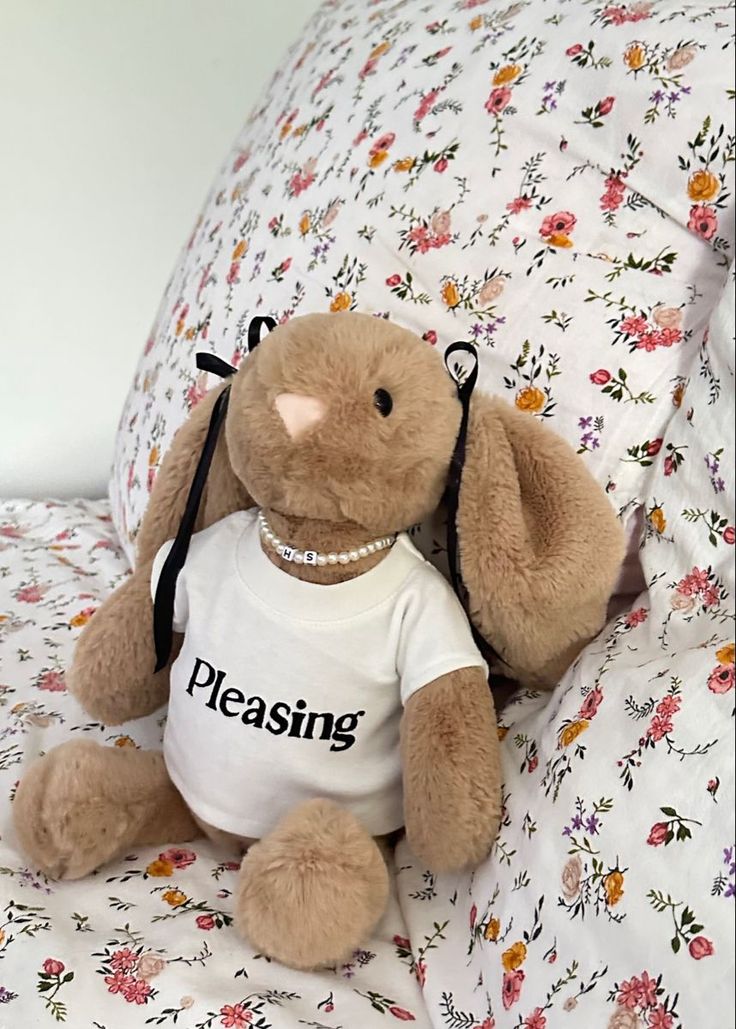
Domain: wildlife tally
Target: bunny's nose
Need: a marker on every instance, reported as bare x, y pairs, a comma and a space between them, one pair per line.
299, 412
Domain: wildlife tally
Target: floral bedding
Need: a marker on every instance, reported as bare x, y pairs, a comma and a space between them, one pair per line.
554, 180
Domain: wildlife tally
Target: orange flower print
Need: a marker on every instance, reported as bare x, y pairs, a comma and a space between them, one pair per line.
175, 898
557, 239
507, 74
513, 958
380, 50
703, 186
530, 399
377, 159
476, 23
239, 250
160, 868
341, 302
304, 224
571, 732
82, 618
125, 741
726, 655
492, 930
613, 884
658, 520
153, 456
635, 56
450, 294
405, 164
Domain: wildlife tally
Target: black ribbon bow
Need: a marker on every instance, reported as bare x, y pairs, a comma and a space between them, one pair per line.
465, 384
163, 605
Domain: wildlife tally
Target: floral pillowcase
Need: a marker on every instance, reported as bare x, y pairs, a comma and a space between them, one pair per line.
551, 181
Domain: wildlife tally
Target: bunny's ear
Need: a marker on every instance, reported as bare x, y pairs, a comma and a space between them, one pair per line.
540, 546
223, 492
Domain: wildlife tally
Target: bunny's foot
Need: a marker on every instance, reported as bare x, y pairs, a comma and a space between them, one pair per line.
313, 890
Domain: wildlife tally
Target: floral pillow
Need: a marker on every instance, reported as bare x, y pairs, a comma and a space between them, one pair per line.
552, 181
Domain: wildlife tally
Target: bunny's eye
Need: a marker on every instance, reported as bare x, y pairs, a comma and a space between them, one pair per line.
383, 402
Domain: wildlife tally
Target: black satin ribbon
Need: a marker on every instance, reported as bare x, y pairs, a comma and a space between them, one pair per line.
163, 604
465, 385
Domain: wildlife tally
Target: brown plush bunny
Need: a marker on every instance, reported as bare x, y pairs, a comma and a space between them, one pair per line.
340, 428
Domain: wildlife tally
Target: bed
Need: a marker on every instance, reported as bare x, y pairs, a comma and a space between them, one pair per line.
449, 168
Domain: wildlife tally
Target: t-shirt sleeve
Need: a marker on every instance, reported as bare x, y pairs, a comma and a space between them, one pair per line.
181, 605
435, 636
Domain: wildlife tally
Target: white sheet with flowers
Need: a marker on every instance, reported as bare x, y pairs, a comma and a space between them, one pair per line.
552, 179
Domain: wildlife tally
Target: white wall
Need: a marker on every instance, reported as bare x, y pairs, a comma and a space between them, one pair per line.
114, 117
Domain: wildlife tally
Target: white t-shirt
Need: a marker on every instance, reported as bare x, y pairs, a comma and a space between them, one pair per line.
286, 690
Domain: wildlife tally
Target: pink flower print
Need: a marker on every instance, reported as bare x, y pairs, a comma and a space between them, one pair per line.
629, 992
419, 238
703, 221
633, 325
614, 15
573, 51
658, 834
519, 204
711, 597
648, 341
648, 988
473, 915
721, 679
592, 702
561, 223
421, 973
179, 857
667, 337
235, 1016
233, 274
659, 727
401, 1013
393, 280
137, 991
119, 982
205, 922
123, 959
303, 179
498, 100
611, 200
195, 393
729, 535
669, 465
511, 989
605, 106
383, 142
239, 161
426, 104
10, 532
694, 582
700, 947
32, 594
51, 681
536, 1020
53, 967
637, 617
668, 706
441, 165
659, 1018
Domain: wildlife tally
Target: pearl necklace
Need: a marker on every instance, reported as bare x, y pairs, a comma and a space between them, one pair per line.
313, 557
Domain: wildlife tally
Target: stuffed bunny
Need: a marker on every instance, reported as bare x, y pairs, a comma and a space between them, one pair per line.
327, 689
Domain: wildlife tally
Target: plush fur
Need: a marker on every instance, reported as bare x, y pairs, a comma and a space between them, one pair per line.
539, 548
